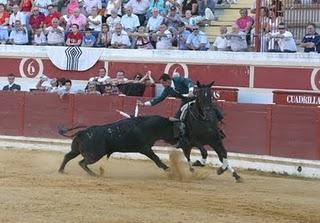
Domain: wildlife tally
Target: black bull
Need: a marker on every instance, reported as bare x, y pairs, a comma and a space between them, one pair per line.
133, 135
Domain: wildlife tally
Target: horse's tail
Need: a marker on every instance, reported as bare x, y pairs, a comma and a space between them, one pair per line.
63, 130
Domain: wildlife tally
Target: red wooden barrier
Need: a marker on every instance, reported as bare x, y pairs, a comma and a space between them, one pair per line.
285, 131
11, 113
295, 132
247, 128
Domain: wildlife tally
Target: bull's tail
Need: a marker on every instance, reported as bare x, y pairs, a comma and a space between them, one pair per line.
63, 130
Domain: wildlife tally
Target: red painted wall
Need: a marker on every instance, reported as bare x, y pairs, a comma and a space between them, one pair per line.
278, 130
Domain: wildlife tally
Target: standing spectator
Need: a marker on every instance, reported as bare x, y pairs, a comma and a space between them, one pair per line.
36, 20
141, 39
102, 77
197, 40
77, 18
11, 86
52, 14
43, 5
272, 28
113, 20
311, 41
120, 38
4, 21
39, 38
74, 38
89, 4
130, 22
94, 21
104, 37
55, 34
221, 42
92, 89
163, 38
66, 89
72, 5
88, 39
182, 36
172, 19
284, 39
245, 23
237, 39
154, 21
19, 34
139, 8
16, 15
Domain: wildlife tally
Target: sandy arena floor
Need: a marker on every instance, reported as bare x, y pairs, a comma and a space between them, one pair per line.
31, 190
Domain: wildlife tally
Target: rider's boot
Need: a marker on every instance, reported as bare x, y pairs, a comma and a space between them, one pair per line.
180, 133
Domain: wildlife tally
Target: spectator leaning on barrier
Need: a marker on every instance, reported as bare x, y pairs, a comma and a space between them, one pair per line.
101, 79
197, 40
311, 41
221, 42
237, 39
39, 38
141, 39
284, 39
11, 86
74, 38
4, 21
120, 38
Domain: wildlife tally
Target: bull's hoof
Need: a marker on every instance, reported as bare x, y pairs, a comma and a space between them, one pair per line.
237, 177
221, 170
198, 163
61, 171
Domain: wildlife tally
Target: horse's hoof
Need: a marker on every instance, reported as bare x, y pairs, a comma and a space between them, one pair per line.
221, 170
191, 169
61, 171
198, 163
237, 177
167, 169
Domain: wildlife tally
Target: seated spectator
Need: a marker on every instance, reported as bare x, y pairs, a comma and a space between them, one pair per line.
19, 34
110, 90
92, 89
163, 38
66, 89
141, 39
130, 22
36, 20
189, 21
154, 21
104, 37
120, 38
16, 15
39, 38
52, 14
221, 42
181, 37
190, 5
77, 18
4, 22
204, 5
197, 40
42, 5
88, 39
94, 21
72, 6
113, 20
284, 39
55, 34
89, 4
173, 19
245, 23
237, 39
74, 38
139, 8
11, 86
26, 6
158, 4
43, 84
311, 41
113, 5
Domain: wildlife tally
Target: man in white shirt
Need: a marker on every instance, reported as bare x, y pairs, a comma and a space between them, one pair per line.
120, 38
139, 8
102, 77
130, 22
16, 15
164, 38
55, 33
154, 21
197, 40
221, 42
19, 35
237, 39
284, 38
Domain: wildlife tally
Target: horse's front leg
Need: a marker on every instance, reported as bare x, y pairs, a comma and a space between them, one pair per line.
187, 152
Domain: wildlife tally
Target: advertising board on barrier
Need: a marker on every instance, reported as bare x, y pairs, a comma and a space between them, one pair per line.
296, 98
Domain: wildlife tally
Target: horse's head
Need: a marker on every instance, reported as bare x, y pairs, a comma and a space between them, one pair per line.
204, 102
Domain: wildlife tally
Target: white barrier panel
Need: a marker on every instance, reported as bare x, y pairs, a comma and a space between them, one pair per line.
292, 167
